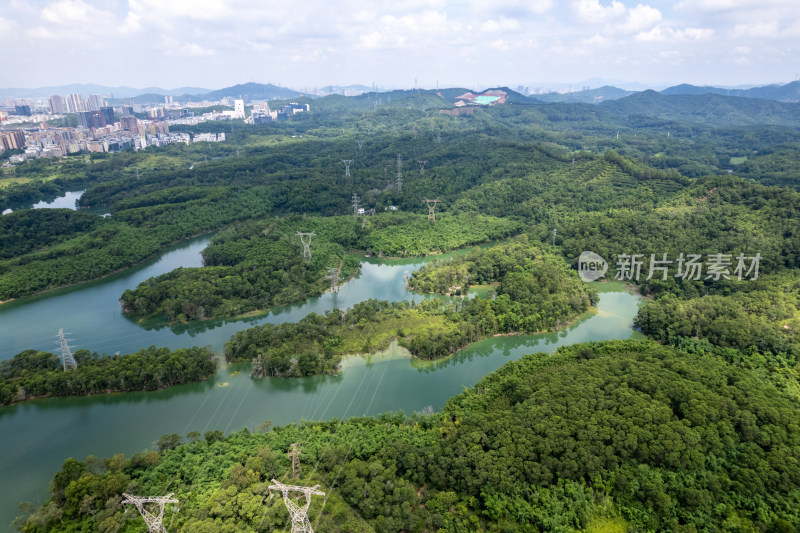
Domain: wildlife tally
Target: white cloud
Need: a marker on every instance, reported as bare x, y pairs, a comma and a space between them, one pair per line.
69, 20
7, 28
659, 34
593, 11
641, 18
514, 7
615, 17
596, 40
70, 12
768, 29
413, 30
131, 24
192, 50
171, 10
499, 44
40, 32
503, 24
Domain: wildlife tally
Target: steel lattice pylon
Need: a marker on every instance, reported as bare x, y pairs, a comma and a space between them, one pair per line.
66, 354
432, 208
299, 515
347, 163
153, 521
305, 238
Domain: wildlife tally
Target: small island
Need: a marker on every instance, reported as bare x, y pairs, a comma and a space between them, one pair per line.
536, 292
257, 265
32, 374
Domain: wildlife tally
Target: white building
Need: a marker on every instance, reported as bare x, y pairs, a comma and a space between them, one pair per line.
238, 109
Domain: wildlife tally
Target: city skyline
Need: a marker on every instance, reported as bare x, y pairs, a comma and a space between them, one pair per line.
426, 43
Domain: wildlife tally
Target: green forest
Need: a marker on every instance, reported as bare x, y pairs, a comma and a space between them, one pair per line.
695, 428
614, 436
31, 374
536, 292
260, 264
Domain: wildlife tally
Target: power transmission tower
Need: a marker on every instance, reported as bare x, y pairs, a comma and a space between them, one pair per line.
305, 238
438, 139
347, 167
422, 166
399, 173
299, 515
294, 455
355, 205
360, 145
334, 274
153, 521
432, 208
554, 236
66, 353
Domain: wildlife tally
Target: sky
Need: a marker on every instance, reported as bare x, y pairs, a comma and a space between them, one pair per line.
307, 44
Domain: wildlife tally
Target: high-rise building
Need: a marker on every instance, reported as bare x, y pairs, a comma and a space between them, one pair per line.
129, 123
91, 119
108, 115
24, 110
76, 103
12, 140
127, 110
238, 109
95, 102
57, 104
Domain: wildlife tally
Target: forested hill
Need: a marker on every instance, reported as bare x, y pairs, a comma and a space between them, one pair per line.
536, 291
706, 109
614, 436
260, 264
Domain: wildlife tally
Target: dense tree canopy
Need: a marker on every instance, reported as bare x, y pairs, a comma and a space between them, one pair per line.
623, 434
32, 374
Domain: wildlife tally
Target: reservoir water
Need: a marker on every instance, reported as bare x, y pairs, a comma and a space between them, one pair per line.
36, 437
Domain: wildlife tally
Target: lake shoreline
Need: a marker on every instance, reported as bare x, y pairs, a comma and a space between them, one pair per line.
155, 254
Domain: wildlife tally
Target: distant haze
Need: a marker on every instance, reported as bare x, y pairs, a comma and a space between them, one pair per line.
540, 44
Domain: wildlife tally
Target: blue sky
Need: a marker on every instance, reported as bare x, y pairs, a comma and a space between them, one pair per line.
312, 43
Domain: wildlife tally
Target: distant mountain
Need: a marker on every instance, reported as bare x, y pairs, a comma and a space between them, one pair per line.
504, 94
590, 96
685, 88
91, 88
783, 93
705, 109
148, 98
353, 90
254, 91
180, 91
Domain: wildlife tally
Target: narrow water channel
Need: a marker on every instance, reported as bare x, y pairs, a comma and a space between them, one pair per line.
36, 437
